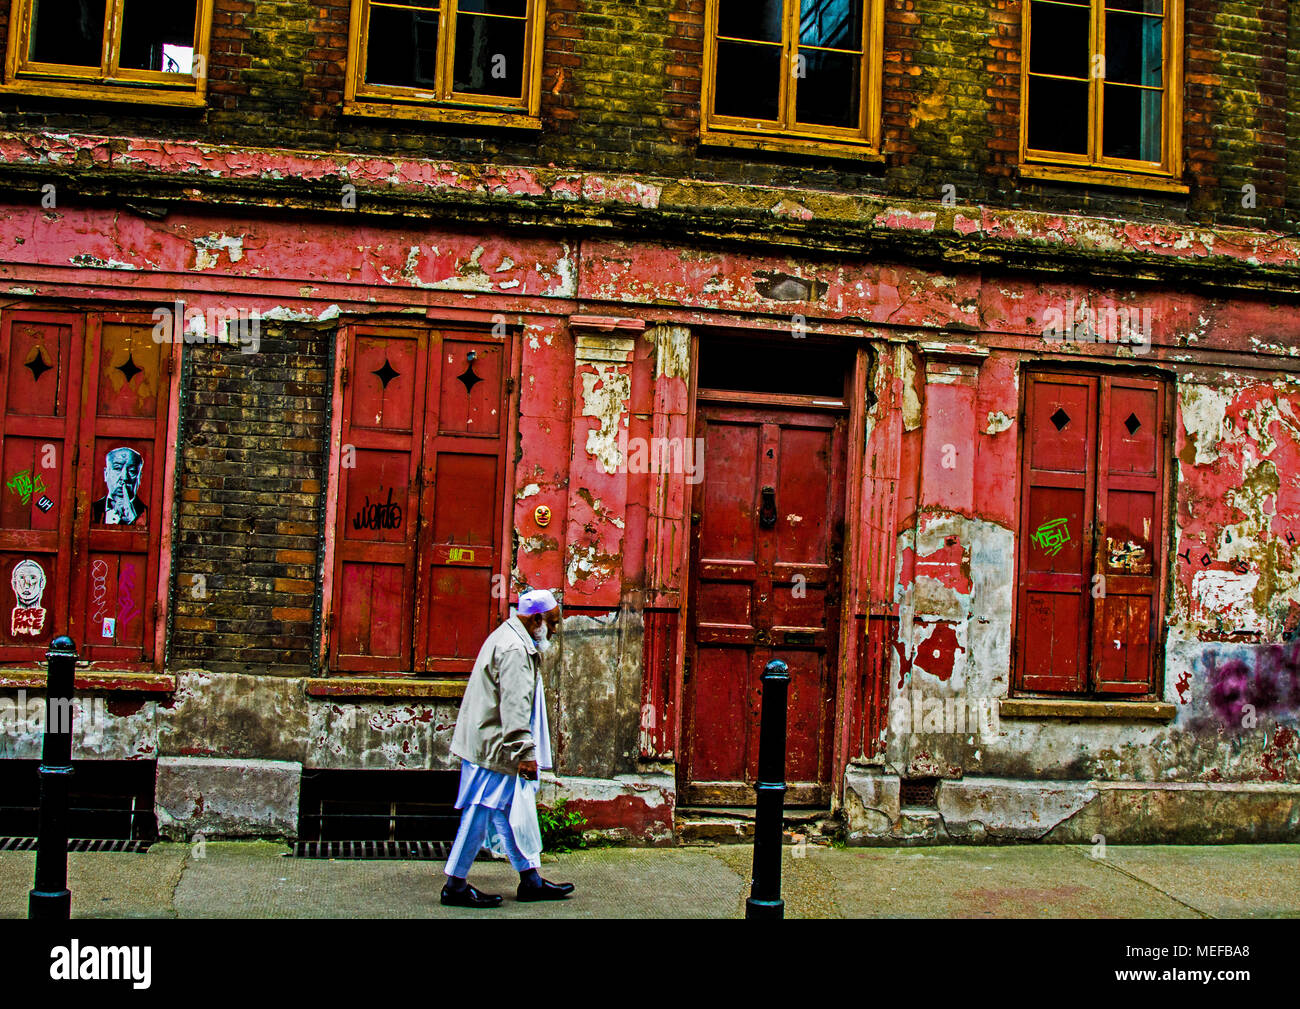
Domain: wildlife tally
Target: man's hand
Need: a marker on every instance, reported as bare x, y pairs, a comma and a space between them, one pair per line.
528, 769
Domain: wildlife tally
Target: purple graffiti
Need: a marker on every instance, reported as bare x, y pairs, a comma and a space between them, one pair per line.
1265, 677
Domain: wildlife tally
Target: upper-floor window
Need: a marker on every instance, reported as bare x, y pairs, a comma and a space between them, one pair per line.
126, 50
457, 60
793, 73
1101, 84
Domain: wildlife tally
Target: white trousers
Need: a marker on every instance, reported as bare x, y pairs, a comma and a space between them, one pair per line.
473, 830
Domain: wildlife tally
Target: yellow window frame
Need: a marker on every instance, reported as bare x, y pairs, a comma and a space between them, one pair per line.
1094, 166
443, 103
109, 80
787, 134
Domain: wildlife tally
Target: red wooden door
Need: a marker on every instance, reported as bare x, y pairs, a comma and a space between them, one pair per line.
1091, 533
766, 567
419, 519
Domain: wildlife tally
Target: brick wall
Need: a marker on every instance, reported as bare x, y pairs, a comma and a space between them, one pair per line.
252, 481
621, 88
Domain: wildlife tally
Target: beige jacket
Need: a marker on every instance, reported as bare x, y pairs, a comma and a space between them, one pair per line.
494, 727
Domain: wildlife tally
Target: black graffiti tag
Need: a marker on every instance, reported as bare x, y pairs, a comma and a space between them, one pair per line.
380, 515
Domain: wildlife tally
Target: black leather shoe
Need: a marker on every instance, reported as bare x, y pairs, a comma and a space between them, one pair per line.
469, 897
545, 891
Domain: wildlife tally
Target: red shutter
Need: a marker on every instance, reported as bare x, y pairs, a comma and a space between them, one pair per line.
1130, 517
38, 429
460, 541
382, 426
1057, 492
120, 489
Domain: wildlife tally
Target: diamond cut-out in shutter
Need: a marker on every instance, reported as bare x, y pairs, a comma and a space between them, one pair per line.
386, 374
129, 368
1060, 419
468, 378
37, 365
1132, 423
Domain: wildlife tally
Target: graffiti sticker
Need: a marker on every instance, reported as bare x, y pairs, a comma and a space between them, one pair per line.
1052, 536
24, 486
28, 616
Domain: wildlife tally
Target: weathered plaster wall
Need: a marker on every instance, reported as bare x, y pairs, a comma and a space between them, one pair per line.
1231, 663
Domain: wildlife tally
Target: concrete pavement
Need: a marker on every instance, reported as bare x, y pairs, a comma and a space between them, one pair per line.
256, 880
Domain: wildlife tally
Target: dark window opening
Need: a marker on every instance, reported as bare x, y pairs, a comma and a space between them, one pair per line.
70, 32
795, 367
378, 806
107, 799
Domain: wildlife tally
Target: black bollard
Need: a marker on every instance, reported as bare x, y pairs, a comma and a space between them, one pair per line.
50, 899
765, 894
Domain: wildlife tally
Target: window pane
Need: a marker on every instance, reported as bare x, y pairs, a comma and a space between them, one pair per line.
830, 92
68, 31
1134, 49
158, 35
489, 54
1141, 6
748, 81
402, 48
831, 24
1131, 123
1058, 115
504, 8
1058, 39
751, 19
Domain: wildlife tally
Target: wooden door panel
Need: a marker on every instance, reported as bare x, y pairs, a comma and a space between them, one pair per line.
1130, 519
730, 492
464, 494
38, 425
1056, 535
721, 715
378, 507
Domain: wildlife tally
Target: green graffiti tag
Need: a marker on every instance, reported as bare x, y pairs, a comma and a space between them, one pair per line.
1051, 536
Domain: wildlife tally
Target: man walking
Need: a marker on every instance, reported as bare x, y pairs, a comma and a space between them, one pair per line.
501, 734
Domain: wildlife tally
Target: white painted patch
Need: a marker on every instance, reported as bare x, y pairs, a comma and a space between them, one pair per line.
208, 248
1230, 596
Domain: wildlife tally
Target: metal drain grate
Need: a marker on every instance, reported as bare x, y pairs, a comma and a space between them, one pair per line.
418, 850
79, 844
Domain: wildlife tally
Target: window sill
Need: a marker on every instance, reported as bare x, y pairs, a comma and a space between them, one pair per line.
1093, 177
788, 144
98, 92
440, 114
357, 687
1052, 707
90, 680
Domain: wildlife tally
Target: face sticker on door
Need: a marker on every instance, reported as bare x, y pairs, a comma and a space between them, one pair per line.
121, 505
28, 582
